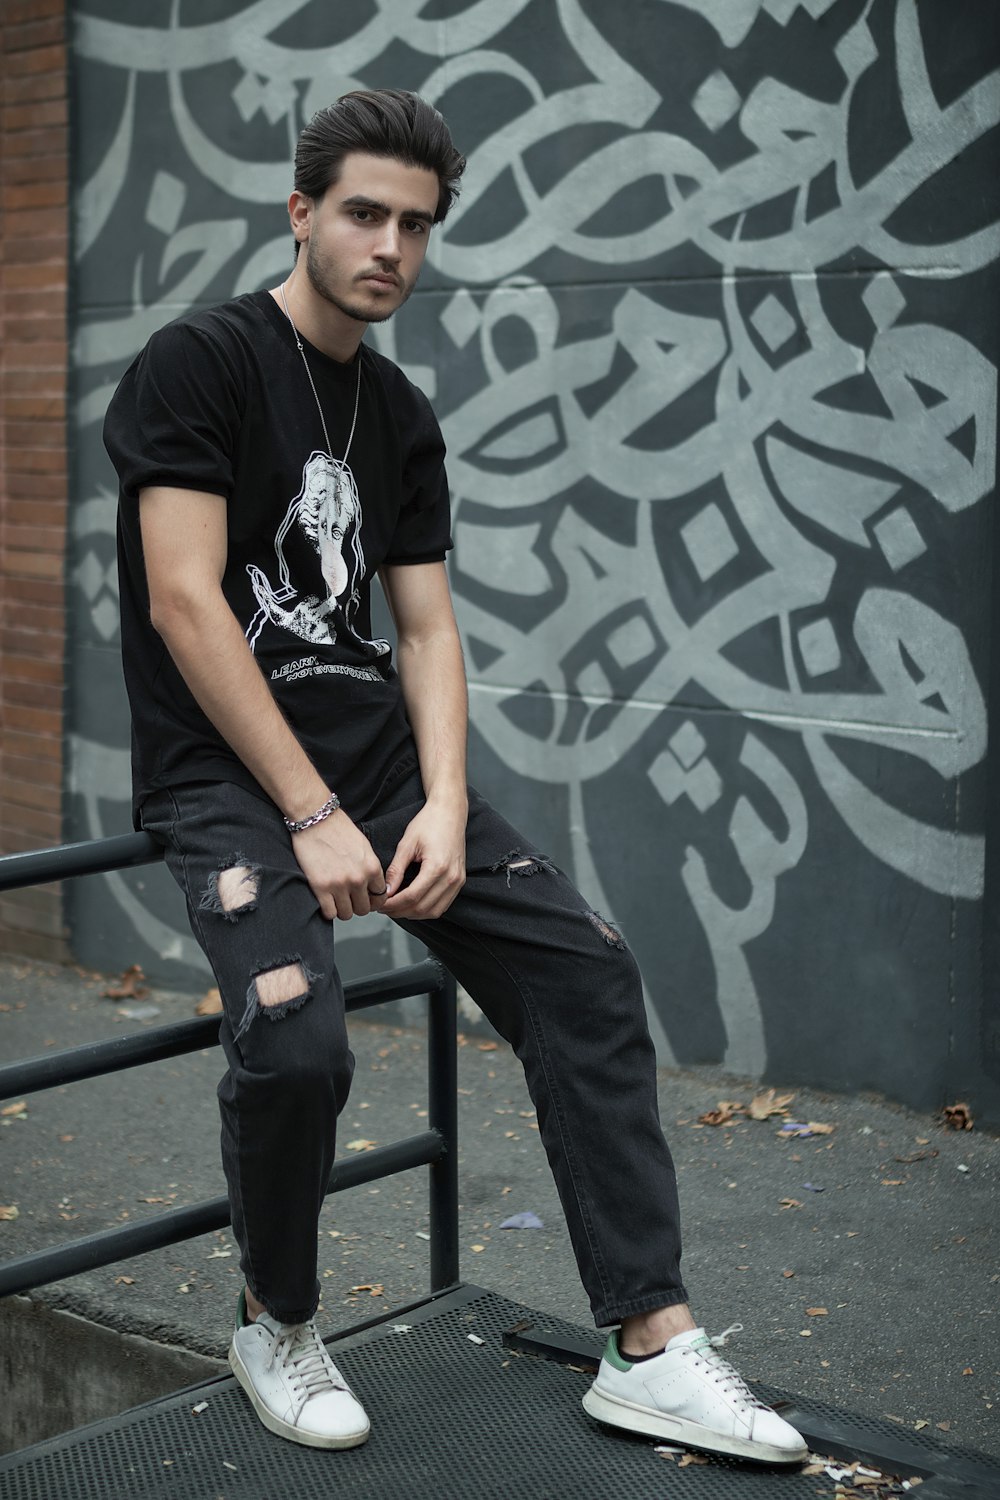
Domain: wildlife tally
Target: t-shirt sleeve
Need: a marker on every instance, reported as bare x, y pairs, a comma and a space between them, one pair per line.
423, 531
175, 416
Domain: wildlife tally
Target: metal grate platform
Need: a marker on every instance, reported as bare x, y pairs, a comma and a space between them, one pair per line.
450, 1417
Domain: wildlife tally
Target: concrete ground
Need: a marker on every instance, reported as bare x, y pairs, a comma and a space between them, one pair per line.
862, 1263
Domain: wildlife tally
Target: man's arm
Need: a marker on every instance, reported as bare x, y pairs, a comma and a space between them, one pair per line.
185, 547
432, 674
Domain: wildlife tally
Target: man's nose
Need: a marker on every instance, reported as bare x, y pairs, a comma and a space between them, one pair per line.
387, 245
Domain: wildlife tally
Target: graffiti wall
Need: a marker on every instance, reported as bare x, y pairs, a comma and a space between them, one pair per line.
712, 336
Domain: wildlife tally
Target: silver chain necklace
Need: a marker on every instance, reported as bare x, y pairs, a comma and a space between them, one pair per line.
312, 383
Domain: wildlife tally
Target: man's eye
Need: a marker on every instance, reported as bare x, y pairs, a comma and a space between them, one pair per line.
416, 226
362, 214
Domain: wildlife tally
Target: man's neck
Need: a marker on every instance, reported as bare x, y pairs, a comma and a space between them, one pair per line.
323, 325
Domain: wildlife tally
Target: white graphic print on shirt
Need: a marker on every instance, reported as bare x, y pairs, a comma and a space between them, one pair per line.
327, 510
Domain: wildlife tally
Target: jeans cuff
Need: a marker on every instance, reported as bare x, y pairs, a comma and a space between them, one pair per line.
612, 1313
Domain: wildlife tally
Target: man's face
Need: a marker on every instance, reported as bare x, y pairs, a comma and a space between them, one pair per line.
366, 238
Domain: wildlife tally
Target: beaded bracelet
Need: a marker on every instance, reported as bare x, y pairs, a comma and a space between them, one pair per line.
319, 816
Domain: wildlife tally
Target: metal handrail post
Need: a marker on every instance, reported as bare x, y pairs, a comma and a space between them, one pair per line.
442, 1103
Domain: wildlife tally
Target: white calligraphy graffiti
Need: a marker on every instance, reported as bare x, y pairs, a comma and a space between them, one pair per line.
695, 408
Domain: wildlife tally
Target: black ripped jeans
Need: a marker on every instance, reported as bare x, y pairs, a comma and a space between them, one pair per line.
553, 978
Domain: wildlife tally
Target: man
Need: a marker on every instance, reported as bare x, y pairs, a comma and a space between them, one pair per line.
270, 464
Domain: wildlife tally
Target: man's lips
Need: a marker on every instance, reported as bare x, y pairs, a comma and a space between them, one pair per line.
379, 278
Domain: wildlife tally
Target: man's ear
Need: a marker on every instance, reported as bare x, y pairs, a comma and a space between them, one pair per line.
300, 210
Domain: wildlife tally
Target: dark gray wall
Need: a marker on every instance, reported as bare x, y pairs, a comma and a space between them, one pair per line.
712, 335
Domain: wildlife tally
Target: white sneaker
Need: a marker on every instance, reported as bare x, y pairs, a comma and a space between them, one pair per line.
296, 1389
690, 1395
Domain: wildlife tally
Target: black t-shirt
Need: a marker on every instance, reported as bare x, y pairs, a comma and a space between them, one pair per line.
219, 401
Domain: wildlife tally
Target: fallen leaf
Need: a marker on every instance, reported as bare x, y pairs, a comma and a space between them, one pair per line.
67, 1138
958, 1116
788, 1274
10, 1110
805, 1333
819, 1129
131, 986
817, 1312
789, 1203
918, 1156
968, 1370
721, 1116
691, 1458
943, 1426
124, 1281
769, 1103
210, 1003
476, 1248
8, 1212
487, 1046
921, 1424
894, 1181
361, 1145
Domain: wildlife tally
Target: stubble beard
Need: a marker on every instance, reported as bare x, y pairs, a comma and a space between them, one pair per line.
319, 281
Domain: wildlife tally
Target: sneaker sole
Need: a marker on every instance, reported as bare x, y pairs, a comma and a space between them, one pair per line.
285, 1429
618, 1413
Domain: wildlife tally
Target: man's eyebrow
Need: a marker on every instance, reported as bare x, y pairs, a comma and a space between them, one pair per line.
358, 200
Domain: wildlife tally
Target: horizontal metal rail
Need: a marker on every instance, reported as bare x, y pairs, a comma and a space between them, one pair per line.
436, 1148
95, 1059
124, 851
89, 1252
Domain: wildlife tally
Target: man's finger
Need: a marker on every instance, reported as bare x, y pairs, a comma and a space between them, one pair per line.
402, 859
345, 908
423, 900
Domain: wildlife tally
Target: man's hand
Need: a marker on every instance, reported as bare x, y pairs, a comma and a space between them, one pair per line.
434, 840
341, 867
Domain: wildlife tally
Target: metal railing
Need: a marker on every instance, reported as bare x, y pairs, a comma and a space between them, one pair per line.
435, 1148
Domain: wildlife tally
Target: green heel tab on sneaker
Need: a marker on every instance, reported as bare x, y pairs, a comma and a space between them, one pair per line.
613, 1356
241, 1310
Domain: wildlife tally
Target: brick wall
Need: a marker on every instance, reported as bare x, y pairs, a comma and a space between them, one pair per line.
34, 257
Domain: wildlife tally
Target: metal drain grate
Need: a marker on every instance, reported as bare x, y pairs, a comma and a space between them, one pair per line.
450, 1417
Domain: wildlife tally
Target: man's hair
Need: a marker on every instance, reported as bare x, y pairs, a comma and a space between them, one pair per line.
380, 122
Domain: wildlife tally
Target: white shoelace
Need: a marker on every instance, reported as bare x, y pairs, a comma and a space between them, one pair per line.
725, 1375
300, 1350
